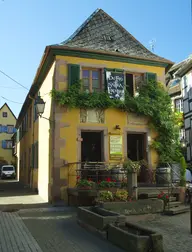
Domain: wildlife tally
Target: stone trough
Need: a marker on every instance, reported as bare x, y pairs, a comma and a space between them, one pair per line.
98, 218
134, 238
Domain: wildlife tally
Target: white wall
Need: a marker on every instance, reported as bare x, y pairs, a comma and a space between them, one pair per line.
44, 127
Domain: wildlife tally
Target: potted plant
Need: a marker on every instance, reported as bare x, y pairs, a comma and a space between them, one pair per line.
165, 197
84, 184
132, 169
121, 195
107, 184
105, 196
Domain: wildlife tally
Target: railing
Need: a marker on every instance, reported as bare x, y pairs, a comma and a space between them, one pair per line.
113, 171
95, 171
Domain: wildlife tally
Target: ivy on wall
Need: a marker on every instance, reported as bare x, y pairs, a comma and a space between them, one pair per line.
153, 101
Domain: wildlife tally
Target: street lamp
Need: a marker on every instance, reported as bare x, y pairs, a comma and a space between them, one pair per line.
40, 106
183, 142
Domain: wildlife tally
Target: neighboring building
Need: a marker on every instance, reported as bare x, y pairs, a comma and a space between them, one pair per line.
48, 150
7, 128
175, 90
179, 79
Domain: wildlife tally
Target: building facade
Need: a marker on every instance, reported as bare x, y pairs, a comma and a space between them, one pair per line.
7, 129
103, 57
180, 88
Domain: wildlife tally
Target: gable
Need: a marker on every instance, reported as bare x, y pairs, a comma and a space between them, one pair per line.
10, 116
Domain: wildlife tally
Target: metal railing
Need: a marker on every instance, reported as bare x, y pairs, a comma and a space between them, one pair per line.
114, 171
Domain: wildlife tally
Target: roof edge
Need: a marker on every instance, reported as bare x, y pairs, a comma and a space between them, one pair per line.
64, 47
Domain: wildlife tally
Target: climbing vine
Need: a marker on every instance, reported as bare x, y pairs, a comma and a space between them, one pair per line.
153, 101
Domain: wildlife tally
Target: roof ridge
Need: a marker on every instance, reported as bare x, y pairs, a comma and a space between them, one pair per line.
121, 27
80, 28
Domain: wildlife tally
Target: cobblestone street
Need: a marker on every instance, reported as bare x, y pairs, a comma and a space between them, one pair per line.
58, 231
175, 230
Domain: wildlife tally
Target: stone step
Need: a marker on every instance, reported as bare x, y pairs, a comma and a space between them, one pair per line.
172, 198
177, 210
173, 204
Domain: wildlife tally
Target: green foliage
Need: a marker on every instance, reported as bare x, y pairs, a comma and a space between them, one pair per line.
108, 183
179, 119
105, 196
183, 171
153, 101
121, 195
84, 183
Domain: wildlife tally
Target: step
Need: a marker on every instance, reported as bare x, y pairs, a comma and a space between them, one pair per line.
172, 198
177, 210
174, 204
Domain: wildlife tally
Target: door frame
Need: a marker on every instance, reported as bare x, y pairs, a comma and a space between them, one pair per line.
93, 129
145, 131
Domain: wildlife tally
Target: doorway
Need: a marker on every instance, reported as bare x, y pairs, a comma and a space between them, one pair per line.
136, 150
92, 146
136, 146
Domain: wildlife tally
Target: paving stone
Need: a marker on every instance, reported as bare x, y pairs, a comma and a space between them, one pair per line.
59, 231
14, 235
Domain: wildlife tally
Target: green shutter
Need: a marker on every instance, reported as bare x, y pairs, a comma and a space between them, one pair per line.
73, 74
150, 77
32, 156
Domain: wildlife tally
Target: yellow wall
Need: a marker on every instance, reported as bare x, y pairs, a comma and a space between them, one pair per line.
69, 151
28, 176
44, 137
6, 154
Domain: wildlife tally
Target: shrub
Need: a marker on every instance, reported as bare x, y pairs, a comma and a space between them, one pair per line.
105, 196
121, 195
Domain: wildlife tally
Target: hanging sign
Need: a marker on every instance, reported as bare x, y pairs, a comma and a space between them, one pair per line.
115, 85
116, 144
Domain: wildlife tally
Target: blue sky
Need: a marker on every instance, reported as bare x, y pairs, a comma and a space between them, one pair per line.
27, 26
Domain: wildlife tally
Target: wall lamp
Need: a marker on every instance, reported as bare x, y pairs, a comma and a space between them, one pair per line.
117, 127
40, 107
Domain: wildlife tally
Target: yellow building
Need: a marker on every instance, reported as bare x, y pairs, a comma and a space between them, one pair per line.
105, 57
7, 128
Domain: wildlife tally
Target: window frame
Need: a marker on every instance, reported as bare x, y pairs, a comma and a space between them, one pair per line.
134, 85
180, 105
10, 125
90, 69
5, 114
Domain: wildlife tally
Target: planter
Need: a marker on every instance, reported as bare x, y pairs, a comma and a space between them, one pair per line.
135, 238
110, 189
81, 197
98, 218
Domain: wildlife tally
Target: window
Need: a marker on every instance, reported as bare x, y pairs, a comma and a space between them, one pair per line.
10, 129
91, 80
7, 144
185, 85
4, 114
179, 105
133, 83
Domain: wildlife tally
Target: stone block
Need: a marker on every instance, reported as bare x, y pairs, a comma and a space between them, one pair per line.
135, 238
98, 218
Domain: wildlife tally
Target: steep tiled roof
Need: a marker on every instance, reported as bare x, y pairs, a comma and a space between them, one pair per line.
102, 32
